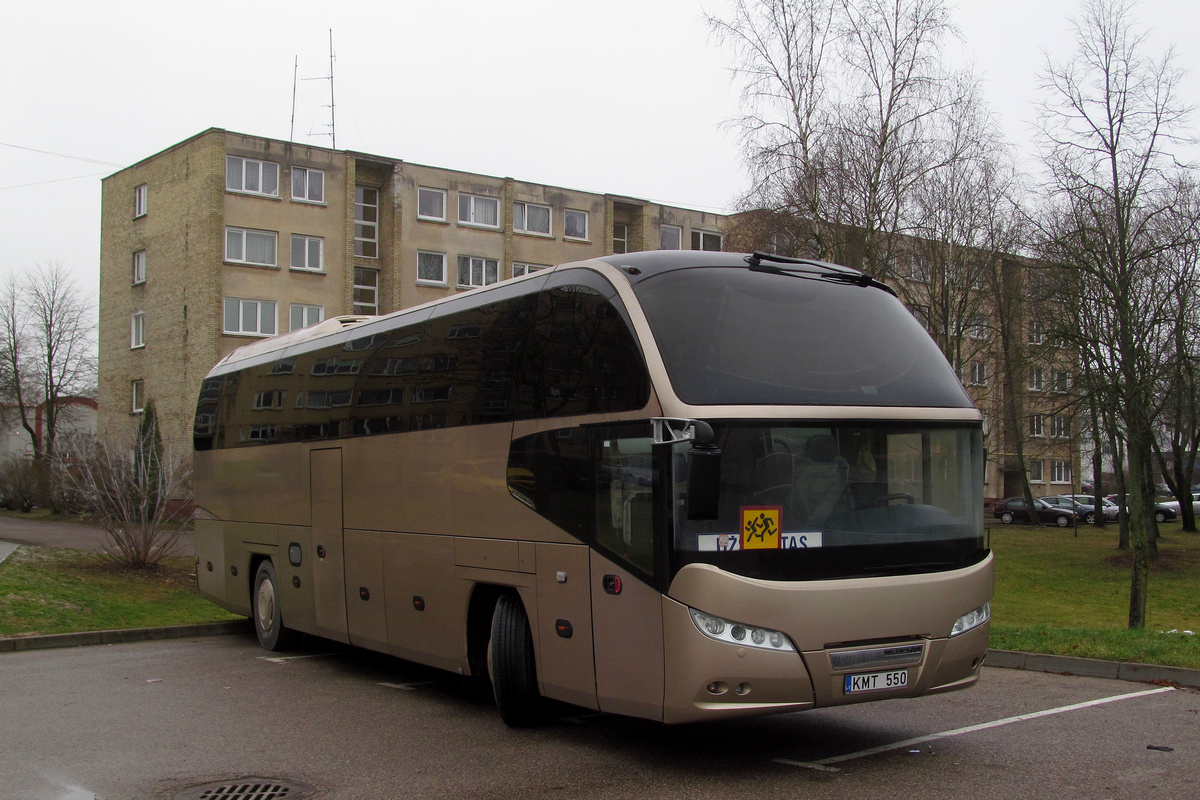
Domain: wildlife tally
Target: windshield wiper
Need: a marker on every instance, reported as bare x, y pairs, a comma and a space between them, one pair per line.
812, 270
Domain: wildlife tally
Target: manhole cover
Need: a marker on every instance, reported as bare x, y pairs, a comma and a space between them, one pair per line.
248, 789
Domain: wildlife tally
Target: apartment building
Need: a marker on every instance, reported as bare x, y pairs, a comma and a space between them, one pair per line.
225, 238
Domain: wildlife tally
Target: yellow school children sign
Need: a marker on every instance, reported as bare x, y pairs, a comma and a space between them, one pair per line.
760, 527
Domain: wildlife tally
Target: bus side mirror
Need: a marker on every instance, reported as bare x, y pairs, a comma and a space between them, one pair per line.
704, 474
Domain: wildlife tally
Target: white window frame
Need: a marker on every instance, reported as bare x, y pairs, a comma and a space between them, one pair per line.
484, 265
519, 268
361, 307
1037, 426
137, 330
1060, 471
586, 237
470, 210
979, 373
1037, 334
237, 170
429, 190
676, 230
309, 193
306, 311
263, 310
141, 200
1037, 471
698, 236
622, 240
363, 226
137, 396
1060, 380
240, 236
302, 245
1060, 426
427, 255
521, 219
1037, 379
139, 267
978, 328
919, 269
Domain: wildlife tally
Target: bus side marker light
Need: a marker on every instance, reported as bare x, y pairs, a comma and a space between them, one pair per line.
612, 584
296, 581
364, 593
564, 629
418, 602
233, 570
210, 566
295, 555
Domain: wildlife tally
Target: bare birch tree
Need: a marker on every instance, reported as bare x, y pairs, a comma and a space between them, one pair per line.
1110, 120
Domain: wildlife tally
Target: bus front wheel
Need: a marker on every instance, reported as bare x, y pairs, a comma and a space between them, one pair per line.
268, 618
511, 663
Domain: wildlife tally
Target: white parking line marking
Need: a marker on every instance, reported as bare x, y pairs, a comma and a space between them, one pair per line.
408, 687
824, 763
285, 659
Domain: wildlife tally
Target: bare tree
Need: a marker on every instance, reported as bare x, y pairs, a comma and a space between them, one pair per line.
47, 348
1110, 118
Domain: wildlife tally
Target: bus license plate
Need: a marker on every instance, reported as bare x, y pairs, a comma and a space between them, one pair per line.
876, 681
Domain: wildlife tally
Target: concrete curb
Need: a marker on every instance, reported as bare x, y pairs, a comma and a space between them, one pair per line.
1094, 668
17, 643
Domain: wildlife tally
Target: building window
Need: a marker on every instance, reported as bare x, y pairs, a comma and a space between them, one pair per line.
705, 240
366, 290
475, 271
366, 222
670, 237
137, 329
431, 204
524, 269
531, 218
921, 312
249, 317
308, 252
1062, 380
308, 185
979, 373
301, 316
575, 224
620, 243
1037, 379
431, 268
1037, 334
138, 393
139, 267
1037, 425
1037, 472
269, 400
1060, 472
141, 199
919, 269
243, 246
477, 210
251, 176
978, 327
1060, 427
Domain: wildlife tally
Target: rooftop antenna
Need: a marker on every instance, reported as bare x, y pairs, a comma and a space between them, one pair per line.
295, 72
332, 115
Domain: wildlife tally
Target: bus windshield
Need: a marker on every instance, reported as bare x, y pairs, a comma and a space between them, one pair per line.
803, 501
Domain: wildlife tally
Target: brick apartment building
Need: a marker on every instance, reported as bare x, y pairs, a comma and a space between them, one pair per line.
225, 238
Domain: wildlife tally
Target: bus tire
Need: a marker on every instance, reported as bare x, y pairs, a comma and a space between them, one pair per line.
268, 617
511, 663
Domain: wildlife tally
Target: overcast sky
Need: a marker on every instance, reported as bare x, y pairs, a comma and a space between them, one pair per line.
620, 96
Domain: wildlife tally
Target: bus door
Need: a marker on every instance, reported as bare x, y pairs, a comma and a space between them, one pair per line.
626, 608
329, 579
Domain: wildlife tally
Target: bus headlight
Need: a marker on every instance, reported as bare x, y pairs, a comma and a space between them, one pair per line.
740, 634
972, 619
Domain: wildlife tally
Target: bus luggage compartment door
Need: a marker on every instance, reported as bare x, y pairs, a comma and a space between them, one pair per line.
628, 641
328, 575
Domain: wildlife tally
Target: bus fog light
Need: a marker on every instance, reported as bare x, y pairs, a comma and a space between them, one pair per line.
738, 633
971, 620
717, 687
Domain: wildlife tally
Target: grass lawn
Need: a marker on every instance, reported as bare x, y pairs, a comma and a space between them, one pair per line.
1067, 593
49, 590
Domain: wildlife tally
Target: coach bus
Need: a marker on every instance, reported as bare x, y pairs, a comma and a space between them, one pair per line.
673, 485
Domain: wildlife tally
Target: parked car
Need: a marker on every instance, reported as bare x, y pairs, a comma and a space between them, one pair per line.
1163, 512
1013, 509
1110, 509
1084, 510
1174, 504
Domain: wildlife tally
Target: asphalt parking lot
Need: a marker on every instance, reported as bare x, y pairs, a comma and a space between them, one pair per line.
157, 719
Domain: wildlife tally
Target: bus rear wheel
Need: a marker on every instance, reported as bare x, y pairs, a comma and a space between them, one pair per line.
268, 617
511, 663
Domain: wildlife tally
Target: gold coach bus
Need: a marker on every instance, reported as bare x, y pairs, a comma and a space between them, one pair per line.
672, 485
